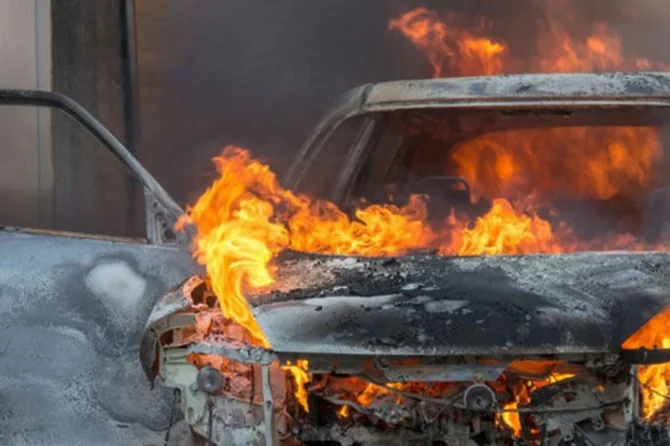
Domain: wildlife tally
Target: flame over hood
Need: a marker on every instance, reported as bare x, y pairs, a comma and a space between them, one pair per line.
245, 218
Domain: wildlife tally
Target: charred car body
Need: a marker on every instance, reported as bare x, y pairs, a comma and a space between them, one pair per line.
419, 348
74, 307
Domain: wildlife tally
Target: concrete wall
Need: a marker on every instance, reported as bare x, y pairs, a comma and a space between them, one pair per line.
26, 175
92, 192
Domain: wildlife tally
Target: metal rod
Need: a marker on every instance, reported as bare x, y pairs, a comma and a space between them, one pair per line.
116, 148
268, 407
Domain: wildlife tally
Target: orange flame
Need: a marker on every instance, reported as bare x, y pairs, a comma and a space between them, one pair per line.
581, 162
653, 378
521, 393
377, 230
448, 48
245, 219
344, 411
589, 162
592, 162
510, 417
236, 238
301, 378
503, 230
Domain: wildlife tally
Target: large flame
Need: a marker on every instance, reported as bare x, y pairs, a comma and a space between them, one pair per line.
245, 219
236, 237
653, 378
451, 50
579, 162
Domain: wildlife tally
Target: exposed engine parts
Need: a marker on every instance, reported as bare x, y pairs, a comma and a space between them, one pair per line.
440, 286
235, 393
209, 380
479, 397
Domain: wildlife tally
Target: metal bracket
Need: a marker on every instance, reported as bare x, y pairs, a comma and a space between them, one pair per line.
631, 408
268, 407
161, 224
645, 356
181, 374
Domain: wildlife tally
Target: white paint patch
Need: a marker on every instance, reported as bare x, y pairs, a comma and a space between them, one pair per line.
468, 264
344, 263
344, 301
444, 306
119, 288
421, 299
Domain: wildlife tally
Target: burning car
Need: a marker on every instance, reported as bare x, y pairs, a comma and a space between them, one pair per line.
376, 314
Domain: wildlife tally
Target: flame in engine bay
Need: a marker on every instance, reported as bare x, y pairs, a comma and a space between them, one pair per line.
598, 163
301, 378
509, 416
653, 378
580, 162
246, 218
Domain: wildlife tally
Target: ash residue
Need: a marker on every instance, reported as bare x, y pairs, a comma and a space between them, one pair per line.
452, 304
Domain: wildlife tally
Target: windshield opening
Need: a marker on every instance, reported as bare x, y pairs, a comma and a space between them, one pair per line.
589, 179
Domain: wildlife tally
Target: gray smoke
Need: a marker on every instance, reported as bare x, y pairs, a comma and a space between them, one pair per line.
261, 74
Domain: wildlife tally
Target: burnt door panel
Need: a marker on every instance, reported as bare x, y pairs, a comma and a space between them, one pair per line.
73, 312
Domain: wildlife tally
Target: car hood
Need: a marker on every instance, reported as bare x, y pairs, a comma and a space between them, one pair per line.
427, 305
424, 305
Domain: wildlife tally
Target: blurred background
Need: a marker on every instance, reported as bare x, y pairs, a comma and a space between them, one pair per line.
178, 80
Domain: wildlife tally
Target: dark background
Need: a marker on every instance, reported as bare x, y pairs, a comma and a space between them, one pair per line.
258, 74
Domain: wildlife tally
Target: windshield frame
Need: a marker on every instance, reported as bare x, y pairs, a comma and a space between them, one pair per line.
356, 155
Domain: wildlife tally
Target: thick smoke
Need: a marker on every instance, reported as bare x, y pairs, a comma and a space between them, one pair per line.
228, 72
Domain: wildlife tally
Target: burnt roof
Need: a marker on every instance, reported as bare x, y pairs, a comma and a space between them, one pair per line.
492, 92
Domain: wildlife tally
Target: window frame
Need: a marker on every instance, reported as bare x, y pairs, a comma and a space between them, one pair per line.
162, 211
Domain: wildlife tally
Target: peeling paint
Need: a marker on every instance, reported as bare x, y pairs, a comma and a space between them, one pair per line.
73, 310
119, 288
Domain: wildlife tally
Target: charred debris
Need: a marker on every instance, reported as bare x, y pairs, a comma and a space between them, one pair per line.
420, 349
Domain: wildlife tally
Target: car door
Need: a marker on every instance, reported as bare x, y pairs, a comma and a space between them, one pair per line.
73, 310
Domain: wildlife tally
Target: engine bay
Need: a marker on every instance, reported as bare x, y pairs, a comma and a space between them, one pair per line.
233, 392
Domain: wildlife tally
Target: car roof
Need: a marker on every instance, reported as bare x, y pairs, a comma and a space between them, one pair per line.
518, 90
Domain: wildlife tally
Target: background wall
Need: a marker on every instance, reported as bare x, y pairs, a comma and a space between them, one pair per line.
25, 161
214, 72
92, 192
258, 74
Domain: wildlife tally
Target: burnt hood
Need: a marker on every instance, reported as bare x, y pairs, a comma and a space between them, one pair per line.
577, 303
